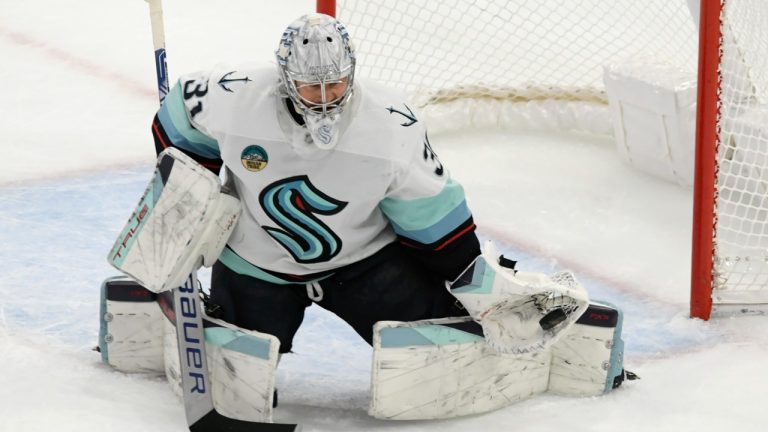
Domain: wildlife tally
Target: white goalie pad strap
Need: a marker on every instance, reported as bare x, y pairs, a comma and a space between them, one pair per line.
444, 368
183, 219
242, 367
588, 359
519, 312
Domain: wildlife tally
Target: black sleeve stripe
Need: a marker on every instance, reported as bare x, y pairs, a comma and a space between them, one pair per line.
466, 228
162, 142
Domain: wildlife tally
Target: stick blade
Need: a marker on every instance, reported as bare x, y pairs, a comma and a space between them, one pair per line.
215, 422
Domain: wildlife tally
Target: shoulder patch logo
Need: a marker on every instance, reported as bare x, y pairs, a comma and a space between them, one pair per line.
254, 158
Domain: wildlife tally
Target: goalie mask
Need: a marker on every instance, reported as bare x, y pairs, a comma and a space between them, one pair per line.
317, 67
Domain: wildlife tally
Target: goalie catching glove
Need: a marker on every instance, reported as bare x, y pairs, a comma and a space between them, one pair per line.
182, 221
519, 312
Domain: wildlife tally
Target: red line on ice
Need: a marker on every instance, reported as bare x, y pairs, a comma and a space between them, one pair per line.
75, 62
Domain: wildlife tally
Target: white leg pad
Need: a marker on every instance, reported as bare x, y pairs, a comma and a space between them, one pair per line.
138, 335
241, 364
444, 368
131, 330
588, 360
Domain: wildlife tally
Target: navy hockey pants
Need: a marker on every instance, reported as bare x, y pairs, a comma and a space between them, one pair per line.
388, 286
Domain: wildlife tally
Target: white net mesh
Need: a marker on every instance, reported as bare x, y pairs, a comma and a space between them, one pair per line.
520, 50
741, 229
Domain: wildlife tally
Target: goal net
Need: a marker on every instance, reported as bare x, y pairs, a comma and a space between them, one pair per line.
529, 53
730, 261
542, 64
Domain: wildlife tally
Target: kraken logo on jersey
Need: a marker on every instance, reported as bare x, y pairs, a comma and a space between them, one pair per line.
254, 158
292, 204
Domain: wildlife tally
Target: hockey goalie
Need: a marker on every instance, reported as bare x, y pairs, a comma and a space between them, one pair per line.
336, 197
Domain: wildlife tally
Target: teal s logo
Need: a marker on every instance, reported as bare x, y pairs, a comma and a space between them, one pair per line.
293, 204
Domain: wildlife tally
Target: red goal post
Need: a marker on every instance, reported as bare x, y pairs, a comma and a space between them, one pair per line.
729, 268
572, 43
703, 251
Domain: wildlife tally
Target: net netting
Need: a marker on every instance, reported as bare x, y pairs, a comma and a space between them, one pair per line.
741, 228
520, 52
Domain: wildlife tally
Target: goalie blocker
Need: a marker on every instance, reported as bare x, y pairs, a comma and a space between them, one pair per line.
183, 216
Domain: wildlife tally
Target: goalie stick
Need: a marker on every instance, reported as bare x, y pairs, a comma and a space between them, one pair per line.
158, 40
195, 379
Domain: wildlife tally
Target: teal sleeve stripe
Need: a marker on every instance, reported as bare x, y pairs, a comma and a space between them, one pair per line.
173, 117
238, 265
422, 213
439, 229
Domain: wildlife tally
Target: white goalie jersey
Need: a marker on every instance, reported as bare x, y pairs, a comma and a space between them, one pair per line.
307, 211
